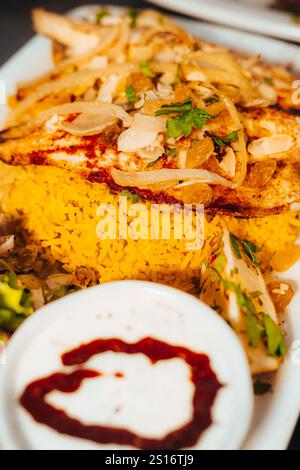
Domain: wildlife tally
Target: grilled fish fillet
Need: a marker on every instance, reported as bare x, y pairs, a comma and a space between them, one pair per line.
92, 157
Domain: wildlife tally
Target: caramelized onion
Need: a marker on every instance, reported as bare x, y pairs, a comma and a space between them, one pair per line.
93, 117
145, 178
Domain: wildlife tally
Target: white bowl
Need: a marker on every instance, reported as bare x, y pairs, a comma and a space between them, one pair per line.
129, 310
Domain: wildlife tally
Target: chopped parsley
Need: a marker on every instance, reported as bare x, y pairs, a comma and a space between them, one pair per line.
145, 68
171, 152
269, 80
101, 14
261, 388
175, 108
188, 118
223, 141
212, 100
132, 13
153, 162
134, 198
130, 94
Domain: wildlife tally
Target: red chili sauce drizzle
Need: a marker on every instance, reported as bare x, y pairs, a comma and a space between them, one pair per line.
204, 379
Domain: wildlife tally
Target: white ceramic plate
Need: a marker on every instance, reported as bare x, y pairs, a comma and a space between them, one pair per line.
251, 15
275, 414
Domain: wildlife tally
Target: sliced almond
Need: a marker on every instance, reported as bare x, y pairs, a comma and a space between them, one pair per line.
270, 145
228, 164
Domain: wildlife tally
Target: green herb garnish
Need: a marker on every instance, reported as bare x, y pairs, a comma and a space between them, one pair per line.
184, 124
255, 294
235, 245
174, 108
250, 250
188, 118
132, 13
247, 247
171, 152
130, 94
101, 14
261, 388
220, 263
274, 337
211, 100
134, 198
223, 141
60, 292
269, 80
146, 69
153, 162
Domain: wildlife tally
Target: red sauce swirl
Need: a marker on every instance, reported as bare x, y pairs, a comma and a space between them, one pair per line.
205, 383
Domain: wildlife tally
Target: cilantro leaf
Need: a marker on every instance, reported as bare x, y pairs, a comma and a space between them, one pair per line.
188, 117
222, 141
274, 338
101, 14
134, 198
235, 245
132, 13
174, 108
184, 124
130, 94
145, 68
250, 250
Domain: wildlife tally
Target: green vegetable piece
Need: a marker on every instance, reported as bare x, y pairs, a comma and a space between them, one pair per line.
274, 338
174, 108
146, 69
153, 162
11, 298
235, 245
130, 94
134, 198
132, 13
250, 250
101, 14
223, 141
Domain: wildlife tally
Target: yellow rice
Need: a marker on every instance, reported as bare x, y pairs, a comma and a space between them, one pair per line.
58, 209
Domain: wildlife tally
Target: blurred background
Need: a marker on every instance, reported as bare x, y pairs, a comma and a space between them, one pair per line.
15, 30
15, 22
